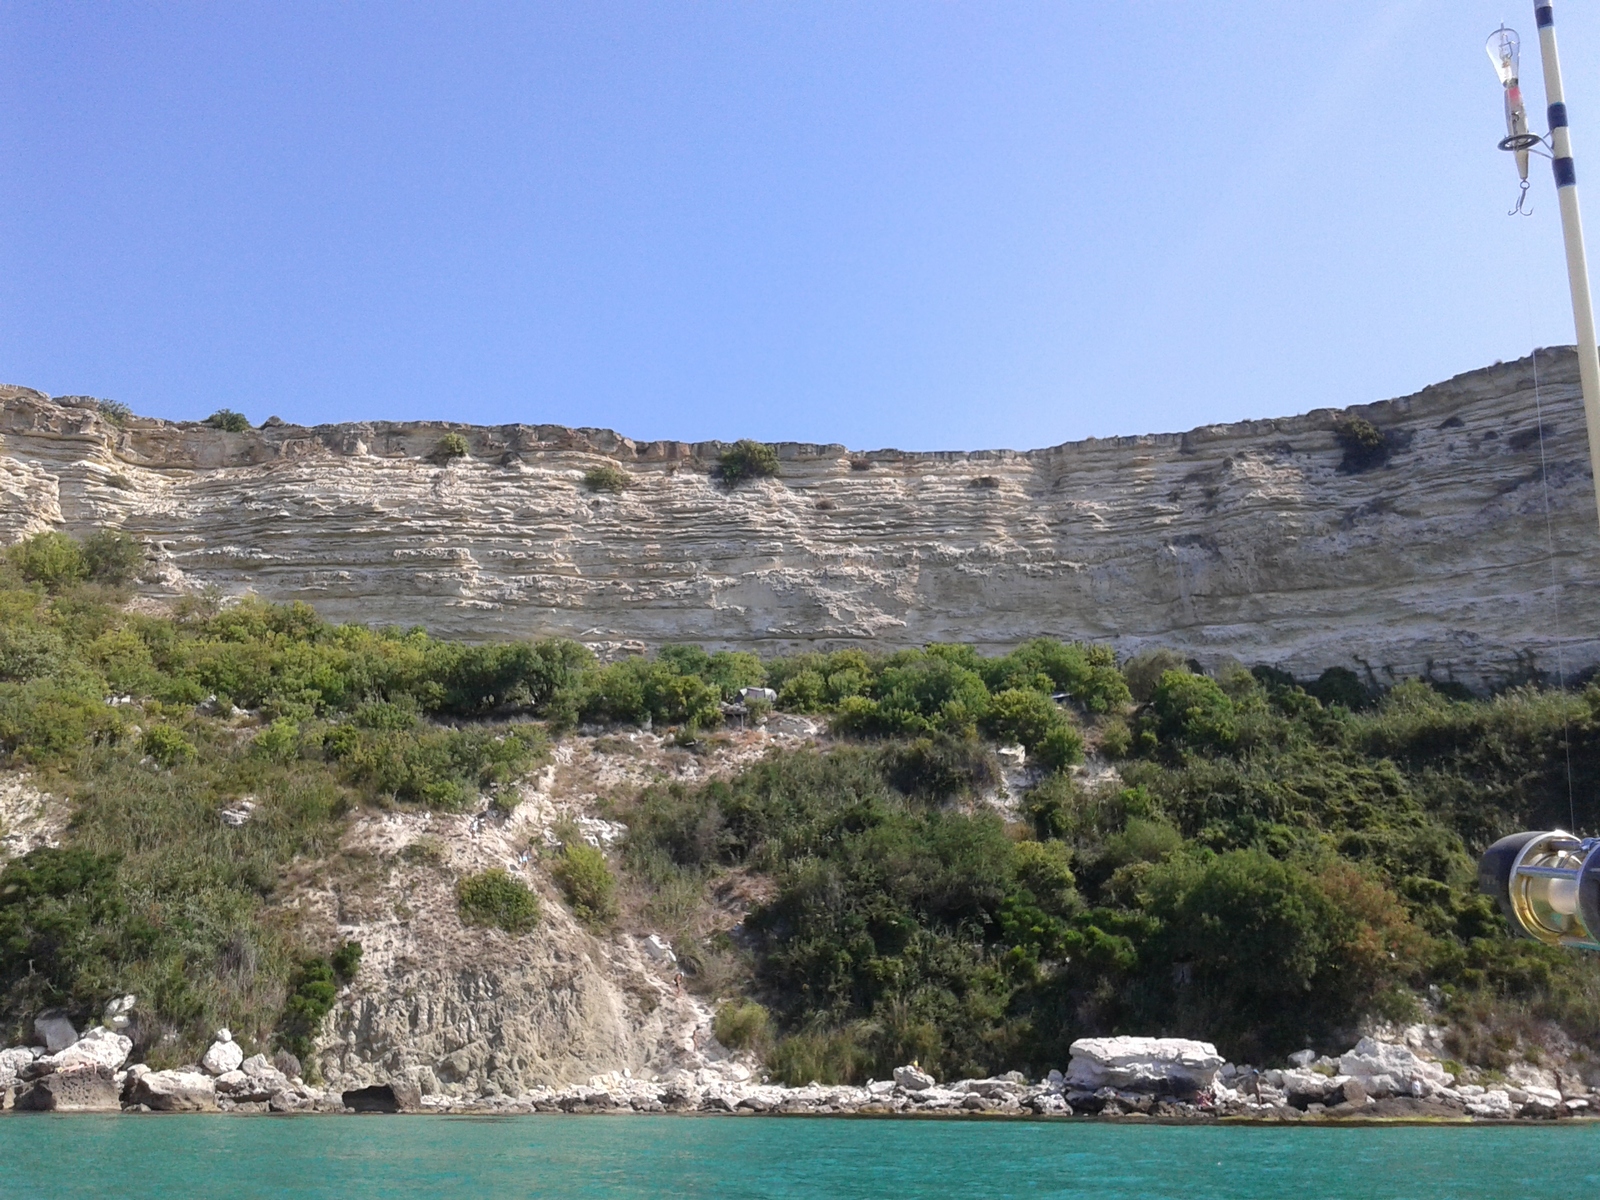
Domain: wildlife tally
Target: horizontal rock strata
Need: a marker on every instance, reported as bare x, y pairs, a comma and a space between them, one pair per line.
1247, 540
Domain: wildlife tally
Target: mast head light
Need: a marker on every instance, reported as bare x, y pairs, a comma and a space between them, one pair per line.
1504, 48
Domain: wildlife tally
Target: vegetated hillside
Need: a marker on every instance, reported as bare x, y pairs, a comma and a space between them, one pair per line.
1267, 863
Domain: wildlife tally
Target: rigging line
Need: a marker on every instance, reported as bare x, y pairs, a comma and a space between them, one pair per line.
1555, 594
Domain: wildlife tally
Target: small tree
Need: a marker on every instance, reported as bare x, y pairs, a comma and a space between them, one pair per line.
451, 446
746, 459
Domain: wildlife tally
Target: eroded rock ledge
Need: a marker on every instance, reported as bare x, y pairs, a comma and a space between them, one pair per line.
1250, 540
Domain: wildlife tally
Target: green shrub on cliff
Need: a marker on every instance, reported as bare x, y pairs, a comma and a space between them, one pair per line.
607, 477
497, 899
52, 559
744, 460
451, 446
228, 421
585, 879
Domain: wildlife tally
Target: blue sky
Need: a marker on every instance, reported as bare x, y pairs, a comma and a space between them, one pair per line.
924, 225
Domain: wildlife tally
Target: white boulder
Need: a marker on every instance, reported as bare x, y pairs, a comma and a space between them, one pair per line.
913, 1079
658, 948
1142, 1064
225, 1054
12, 1062
1387, 1069
99, 1046
54, 1030
116, 1016
1541, 1102
175, 1091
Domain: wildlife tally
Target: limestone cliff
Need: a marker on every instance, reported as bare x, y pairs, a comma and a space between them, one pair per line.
1248, 540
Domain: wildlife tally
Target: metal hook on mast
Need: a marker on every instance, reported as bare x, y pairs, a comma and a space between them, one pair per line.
1522, 208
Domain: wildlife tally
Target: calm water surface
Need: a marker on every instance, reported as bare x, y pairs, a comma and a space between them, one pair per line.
488, 1157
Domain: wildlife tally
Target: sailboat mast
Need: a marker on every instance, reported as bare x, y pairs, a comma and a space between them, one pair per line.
1572, 232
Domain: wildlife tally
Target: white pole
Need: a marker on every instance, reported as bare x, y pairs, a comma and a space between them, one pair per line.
1572, 231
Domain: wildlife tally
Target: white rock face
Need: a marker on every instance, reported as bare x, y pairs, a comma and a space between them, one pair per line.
99, 1046
1243, 540
55, 1031
1142, 1064
1387, 1069
224, 1055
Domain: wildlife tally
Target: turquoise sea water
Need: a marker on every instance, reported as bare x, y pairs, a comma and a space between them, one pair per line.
347, 1157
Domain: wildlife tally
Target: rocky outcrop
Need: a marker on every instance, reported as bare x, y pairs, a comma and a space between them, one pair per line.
1259, 540
99, 1047
175, 1091
86, 1087
1386, 1069
1143, 1064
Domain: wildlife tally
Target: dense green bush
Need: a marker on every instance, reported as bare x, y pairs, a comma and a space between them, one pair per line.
346, 960
637, 690
743, 1025
167, 746
53, 559
495, 898
112, 557
312, 991
607, 477
744, 460
585, 879
60, 912
438, 768
228, 421
1191, 710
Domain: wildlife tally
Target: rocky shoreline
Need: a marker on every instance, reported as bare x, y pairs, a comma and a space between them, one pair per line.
1129, 1078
